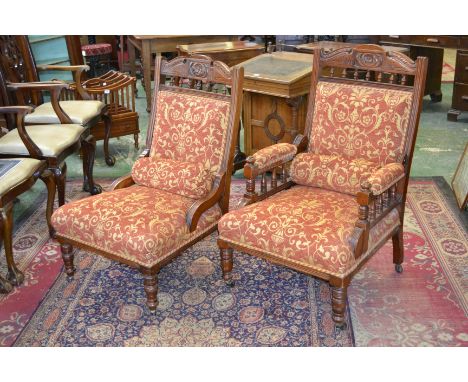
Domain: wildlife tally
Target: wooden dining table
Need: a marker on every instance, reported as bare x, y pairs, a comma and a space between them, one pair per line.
157, 44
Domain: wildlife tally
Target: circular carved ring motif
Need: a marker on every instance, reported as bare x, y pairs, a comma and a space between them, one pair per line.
198, 69
266, 126
371, 60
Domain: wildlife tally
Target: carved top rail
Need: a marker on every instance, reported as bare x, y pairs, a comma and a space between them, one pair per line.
198, 68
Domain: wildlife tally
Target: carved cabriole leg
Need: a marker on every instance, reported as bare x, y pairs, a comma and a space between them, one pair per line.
5, 285
150, 282
14, 275
339, 292
89, 151
68, 257
110, 160
48, 178
60, 174
226, 263
398, 250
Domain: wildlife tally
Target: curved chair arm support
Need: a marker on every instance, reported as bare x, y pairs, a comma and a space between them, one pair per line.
122, 182
200, 206
54, 87
20, 112
77, 69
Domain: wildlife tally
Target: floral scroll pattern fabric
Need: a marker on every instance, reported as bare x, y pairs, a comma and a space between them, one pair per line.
274, 153
190, 128
308, 226
182, 178
336, 173
138, 223
385, 177
356, 121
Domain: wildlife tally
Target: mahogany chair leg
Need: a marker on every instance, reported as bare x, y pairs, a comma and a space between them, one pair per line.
398, 250
88, 146
135, 138
150, 282
110, 160
226, 264
5, 285
48, 178
339, 293
14, 275
60, 175
68, 257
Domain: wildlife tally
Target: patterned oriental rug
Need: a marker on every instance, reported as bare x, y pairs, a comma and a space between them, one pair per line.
269, 306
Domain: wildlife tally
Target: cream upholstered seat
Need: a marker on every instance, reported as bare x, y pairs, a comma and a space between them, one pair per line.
51, 139
80, 112
15, 171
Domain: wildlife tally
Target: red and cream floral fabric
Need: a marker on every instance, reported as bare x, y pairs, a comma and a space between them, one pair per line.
182, 178
332, 172
336, 173
138, 223
280, 152
303, 225
385, 177
356, 121
191, 128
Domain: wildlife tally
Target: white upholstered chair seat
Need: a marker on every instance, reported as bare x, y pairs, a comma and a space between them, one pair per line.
15, 171
51, 139
80, 112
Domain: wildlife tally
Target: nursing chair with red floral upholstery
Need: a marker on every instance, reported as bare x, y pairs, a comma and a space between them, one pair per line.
178, 189
344, 196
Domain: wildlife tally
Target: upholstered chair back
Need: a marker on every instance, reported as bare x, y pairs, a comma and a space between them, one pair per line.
359, 121
191, 128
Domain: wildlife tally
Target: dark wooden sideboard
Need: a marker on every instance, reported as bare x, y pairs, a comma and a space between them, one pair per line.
432, 46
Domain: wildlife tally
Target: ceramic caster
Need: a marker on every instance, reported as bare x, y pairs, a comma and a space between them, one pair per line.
110, 160
399, 268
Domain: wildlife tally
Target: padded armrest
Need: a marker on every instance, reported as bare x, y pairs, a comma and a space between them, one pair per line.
272, 156
385, 177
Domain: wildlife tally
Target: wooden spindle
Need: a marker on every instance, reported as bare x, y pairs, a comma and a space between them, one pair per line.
393, 192
283, 174
344, 73
274, 182
379, 77
372, 210
392, 78
356, 74
332, 71
250, 188
263, 184
403, 79
368, 75
132, 87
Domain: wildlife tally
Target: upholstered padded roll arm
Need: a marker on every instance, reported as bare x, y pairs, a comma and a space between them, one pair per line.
273, 156
385, 177
127, 180
77, 69
20, 112
54, 87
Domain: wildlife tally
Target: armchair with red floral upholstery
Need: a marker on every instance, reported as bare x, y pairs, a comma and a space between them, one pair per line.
344, 195
178, 189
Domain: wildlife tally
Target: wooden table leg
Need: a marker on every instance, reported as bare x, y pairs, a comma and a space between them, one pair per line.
147, 61
131, 58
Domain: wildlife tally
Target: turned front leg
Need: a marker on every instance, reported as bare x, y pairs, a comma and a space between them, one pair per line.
150, 282
339, 293
68, 257
226, 263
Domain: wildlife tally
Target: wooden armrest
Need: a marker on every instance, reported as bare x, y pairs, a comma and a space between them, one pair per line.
23, 110
38, 86
69, 68
20, 112
77, 69
54, 87
197, 209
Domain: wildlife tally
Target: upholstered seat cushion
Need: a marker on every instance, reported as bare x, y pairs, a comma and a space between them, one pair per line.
303, 226
96, 49
80, 112
182, 178
51, 139
15, 171
139, 224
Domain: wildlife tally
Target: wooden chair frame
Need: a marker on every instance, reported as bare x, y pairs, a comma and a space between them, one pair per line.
19, 66
366, 65
201, 72
15, 276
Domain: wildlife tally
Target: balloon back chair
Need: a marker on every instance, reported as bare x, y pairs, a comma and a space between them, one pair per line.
178, 188
344, 195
